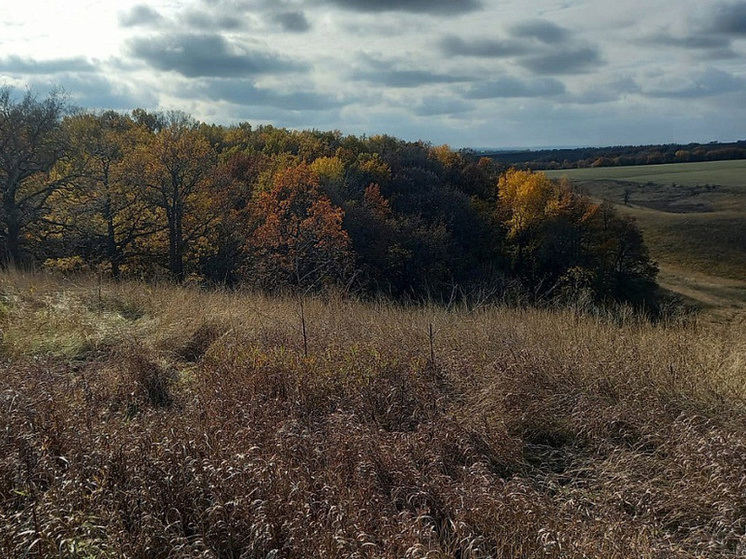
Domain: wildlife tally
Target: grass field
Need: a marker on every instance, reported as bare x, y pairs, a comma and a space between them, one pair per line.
693, 216
724, 173
159, 421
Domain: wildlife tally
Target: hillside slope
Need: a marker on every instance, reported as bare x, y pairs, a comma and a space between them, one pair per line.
693, 217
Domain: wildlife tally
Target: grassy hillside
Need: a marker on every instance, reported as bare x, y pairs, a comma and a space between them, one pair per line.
154, 421
693, 216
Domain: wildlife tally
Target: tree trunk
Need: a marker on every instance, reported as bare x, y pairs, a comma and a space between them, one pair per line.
112, 250
111, 242
14, 243
175, 249
13, 255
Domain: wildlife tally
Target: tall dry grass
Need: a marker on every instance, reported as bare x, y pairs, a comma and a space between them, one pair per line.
154, 421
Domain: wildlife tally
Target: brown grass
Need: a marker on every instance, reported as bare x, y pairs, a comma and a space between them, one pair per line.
156, 421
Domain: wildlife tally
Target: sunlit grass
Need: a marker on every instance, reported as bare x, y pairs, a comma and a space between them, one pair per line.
154, 420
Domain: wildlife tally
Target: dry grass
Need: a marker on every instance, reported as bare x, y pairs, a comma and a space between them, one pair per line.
154, 421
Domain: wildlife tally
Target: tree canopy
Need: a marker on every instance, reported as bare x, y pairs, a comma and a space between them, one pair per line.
151, 194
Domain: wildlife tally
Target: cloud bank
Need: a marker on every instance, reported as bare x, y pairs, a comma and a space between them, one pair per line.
465, 72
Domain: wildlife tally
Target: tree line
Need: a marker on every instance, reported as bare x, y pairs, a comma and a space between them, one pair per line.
619, 156
146, 194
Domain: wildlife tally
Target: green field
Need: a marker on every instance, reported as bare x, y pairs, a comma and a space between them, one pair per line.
724, 173
693, 216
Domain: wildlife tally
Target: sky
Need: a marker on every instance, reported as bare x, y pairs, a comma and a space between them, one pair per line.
468, 73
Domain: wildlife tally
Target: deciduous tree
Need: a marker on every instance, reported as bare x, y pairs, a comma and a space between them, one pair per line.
31, 144
624, 267
300, 240
177, 165
102, 215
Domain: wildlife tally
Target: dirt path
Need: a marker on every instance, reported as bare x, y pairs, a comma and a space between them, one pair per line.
721, 298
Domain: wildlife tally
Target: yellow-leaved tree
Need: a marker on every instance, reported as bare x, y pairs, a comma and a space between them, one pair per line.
176, 168
524, 199
101, 217
555, 235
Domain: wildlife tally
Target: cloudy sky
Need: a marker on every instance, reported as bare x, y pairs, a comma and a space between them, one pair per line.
474, 73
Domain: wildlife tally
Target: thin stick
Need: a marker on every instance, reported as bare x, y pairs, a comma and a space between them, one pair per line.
303, 327
432, 347
99, 291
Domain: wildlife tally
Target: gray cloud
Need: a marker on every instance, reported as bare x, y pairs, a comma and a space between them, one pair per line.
720, 54
390, 73
405, 78
692, 41
544, 31
95, 91
713, 36
433, 7
605, 92
730, 19
19, 65
202, 55
244, 92
437, 105
509, 86
571, 60
452, 45
708, 83
204, 21
294, 22
140, 15
539, 46
709, 45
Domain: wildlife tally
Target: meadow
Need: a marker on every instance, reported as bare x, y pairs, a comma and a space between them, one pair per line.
693, 217
149, 420
724, 173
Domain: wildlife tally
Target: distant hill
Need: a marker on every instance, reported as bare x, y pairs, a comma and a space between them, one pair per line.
575, 158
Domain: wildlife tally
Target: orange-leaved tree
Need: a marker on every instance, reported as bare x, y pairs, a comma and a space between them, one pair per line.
234, 186
300, 240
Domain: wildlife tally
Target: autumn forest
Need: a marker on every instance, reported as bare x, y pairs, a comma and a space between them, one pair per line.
155, 195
